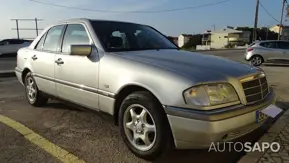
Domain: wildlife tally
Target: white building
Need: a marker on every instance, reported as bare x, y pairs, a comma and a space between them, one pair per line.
226, 36
183, 39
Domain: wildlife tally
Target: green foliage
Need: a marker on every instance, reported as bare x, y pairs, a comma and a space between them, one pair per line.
261, 33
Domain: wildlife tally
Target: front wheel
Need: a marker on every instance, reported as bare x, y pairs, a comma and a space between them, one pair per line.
33, 95
256, 60
144, 126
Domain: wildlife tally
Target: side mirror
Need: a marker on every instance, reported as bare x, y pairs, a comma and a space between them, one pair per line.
81, 50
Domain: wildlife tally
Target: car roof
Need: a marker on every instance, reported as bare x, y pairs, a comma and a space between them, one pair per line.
85, 20
271, 41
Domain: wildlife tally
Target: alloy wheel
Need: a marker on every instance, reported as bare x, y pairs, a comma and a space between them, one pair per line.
31, 89
256, 61
139, 126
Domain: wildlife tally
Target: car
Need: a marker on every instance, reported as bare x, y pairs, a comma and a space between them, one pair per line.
160, 96
268, 51
11, 46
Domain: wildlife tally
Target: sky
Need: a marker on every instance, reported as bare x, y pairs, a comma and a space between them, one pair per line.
231, 13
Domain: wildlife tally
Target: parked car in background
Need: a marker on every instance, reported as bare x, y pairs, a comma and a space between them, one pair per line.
161, 97
267, 51
11, 46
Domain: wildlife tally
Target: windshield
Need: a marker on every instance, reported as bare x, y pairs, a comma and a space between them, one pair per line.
119, 36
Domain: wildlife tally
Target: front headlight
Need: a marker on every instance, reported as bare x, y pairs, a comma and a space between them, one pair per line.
211, 94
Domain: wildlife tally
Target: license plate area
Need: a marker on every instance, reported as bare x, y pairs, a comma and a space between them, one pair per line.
260, 116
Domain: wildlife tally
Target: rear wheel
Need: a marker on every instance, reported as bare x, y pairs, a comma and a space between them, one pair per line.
144, 126
33, 95
256, 60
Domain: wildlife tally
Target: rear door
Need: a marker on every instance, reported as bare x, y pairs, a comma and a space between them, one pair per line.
42, 59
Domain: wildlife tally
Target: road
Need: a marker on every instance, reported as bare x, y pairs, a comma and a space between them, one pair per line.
91, 136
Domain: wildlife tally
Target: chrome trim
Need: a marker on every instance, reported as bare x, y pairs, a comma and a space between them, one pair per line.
78, 86
43, 77
17, 69
258, 78
251, 87
254, 94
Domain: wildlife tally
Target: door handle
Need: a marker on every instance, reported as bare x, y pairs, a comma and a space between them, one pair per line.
59, 61
34, 57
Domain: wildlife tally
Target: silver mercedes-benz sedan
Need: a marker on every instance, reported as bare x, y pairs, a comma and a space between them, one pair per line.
268, 51
160, 97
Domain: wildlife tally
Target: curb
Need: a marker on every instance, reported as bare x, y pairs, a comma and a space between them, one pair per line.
218, 50
269, 137
7, 74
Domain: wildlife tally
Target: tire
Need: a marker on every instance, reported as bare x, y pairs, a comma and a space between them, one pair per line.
257, 60
33, 95
160, 136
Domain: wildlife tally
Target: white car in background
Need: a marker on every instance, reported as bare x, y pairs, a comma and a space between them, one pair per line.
11, 46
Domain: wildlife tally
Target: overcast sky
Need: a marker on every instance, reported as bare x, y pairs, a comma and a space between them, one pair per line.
232, 13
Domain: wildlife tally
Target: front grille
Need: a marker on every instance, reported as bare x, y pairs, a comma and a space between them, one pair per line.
256, 89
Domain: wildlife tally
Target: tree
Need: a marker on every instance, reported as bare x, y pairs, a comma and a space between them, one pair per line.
261, 33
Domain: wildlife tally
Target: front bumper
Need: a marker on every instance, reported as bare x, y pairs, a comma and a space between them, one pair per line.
198, 129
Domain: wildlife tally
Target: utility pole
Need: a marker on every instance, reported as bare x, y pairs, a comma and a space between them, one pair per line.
256, 21
267, 32
281, 20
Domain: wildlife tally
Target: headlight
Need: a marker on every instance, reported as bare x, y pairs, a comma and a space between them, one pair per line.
212, 94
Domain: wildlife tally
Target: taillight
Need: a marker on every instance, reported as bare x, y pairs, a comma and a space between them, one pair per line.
249, 49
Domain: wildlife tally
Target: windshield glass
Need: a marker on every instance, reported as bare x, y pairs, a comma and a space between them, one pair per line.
119, 36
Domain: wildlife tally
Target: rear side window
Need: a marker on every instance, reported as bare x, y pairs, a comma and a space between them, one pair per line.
269, 44
75, 34
53, 38
283, 45
39, 45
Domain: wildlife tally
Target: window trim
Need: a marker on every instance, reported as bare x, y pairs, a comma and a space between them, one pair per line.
43, 36
276, 44
91, 42
46, 33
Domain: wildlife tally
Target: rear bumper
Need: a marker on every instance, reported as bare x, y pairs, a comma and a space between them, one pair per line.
18, 73
248, 55
193, 131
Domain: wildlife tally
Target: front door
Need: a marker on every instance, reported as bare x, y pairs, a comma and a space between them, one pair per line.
42, 60
77, 76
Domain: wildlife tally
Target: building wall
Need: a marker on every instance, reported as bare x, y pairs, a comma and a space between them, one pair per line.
219, 40
182, 40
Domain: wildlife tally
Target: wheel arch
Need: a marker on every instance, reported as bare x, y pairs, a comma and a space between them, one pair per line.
123, 93
258, 56
24, 73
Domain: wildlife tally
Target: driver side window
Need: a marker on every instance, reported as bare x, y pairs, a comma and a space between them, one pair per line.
75, 34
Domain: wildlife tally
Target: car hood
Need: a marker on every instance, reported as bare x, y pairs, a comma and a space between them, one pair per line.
200, 67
